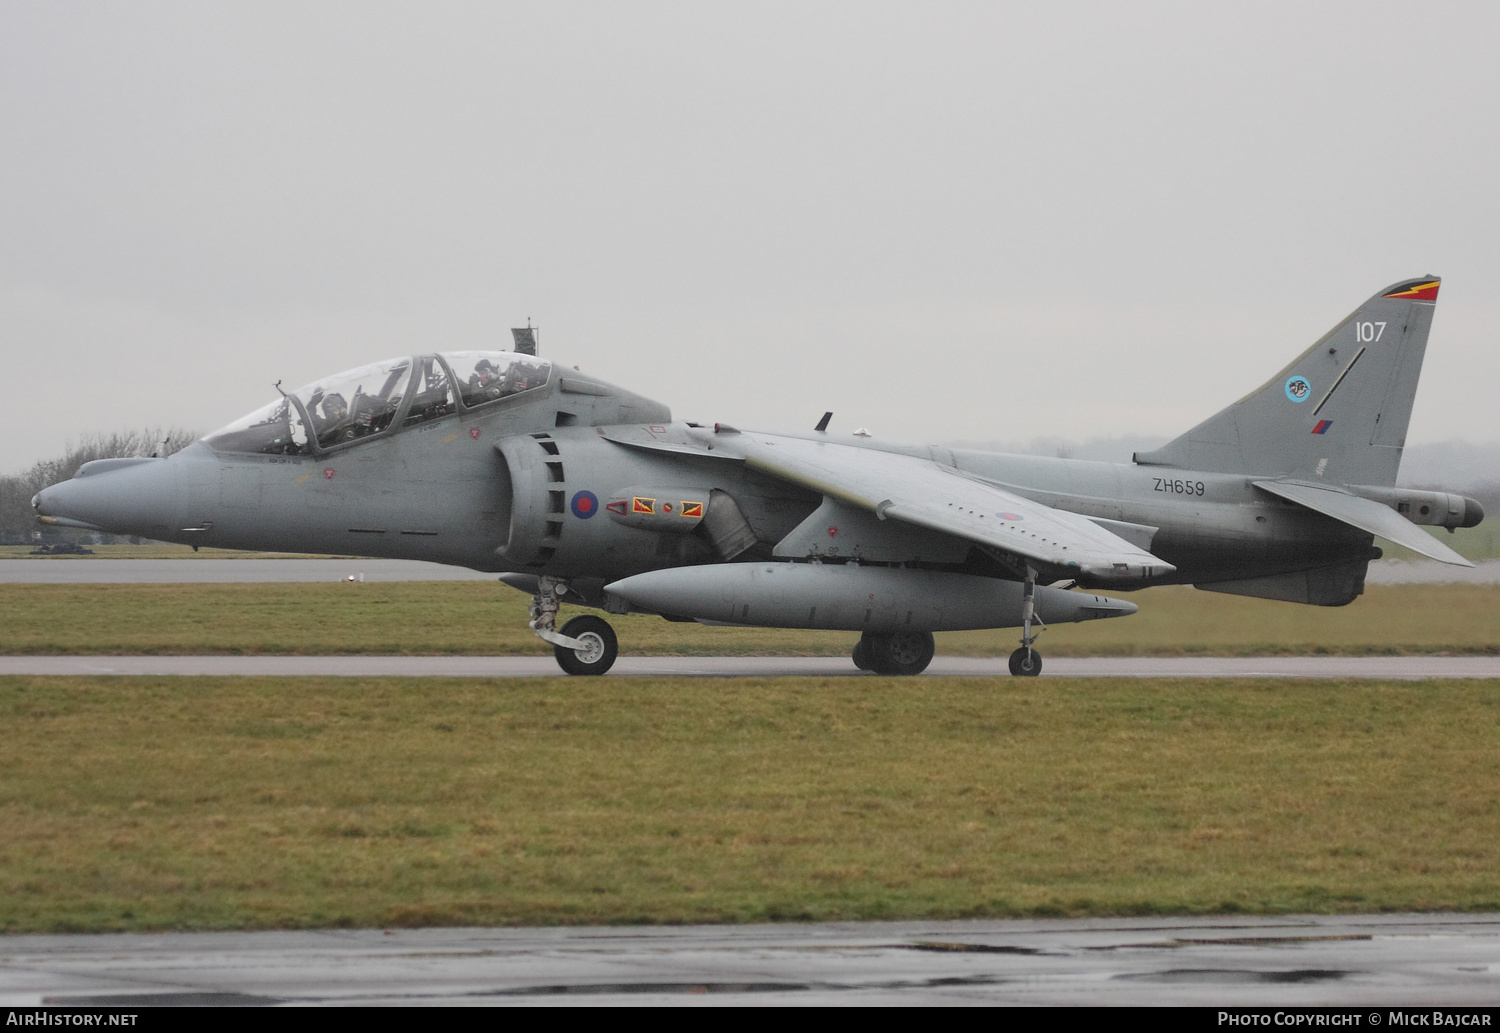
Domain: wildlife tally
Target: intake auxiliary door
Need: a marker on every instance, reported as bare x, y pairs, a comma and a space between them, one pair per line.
538, 498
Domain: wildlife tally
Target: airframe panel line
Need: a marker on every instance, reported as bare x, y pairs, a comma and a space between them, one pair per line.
1397, 667
104, 571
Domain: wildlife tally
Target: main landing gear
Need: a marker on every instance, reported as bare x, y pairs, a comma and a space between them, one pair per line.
899, 652
586, 645
1027, 662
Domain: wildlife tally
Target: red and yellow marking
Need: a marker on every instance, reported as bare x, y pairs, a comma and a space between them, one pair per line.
640, 505
1418, 291
691, 509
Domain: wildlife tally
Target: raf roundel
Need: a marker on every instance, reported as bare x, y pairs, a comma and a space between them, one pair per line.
585, 504
1298, 388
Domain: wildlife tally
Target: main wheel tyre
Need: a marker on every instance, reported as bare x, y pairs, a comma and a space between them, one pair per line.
900, 652
862, 656
1025, 663
599, 646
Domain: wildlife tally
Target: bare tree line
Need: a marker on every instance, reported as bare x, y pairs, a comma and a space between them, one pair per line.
18, 523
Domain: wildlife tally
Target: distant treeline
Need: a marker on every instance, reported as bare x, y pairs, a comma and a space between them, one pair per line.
18, 524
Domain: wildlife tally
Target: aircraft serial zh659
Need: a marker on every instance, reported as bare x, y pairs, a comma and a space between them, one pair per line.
585, 493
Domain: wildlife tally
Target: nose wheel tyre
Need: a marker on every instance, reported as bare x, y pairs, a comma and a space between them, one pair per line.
599, 646
1025, 663
862, 656
900, 652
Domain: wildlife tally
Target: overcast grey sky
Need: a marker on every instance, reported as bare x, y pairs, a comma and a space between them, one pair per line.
982, 221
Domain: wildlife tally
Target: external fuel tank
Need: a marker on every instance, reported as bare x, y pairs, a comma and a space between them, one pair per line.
850, 597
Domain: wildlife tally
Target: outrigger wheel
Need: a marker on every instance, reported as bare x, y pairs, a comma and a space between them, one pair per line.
1026, 662
899, 652
599, 649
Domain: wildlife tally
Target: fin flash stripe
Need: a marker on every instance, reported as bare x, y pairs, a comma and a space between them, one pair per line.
1422, 290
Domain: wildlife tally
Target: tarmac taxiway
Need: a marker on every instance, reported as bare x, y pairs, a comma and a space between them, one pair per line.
1398, 667
1358, 961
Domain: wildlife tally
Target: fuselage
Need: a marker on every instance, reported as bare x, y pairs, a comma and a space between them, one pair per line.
506, 485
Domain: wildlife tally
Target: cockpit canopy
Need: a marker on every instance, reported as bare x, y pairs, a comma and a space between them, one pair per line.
381, 398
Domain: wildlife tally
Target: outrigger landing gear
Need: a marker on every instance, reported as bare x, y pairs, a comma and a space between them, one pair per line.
1027, 662
899, 652
586, 644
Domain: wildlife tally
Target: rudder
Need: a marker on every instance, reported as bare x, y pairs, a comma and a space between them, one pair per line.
1338, 413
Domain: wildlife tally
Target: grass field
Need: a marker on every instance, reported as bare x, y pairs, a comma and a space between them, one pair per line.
473, 617
140, 803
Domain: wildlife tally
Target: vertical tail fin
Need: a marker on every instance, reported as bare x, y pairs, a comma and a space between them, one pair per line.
1338, 413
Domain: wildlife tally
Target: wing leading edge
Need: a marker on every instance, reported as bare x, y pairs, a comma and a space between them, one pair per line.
920, 492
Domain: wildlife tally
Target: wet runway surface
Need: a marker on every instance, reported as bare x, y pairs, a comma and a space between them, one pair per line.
1359, 961
65, 571
1402, 667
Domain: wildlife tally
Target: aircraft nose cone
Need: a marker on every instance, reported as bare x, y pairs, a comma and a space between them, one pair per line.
119, 496
62, 505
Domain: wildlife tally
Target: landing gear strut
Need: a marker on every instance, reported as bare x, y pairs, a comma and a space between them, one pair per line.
1027, 662
899, 652
586, 645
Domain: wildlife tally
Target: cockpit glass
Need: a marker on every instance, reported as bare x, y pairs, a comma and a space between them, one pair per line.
274, 429
434, 395
343, 408
356, 404
488, 376
364, 402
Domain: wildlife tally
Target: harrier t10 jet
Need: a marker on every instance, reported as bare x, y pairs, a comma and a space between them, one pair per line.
577, 491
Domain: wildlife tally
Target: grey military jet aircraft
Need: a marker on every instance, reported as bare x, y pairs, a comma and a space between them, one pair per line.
577, 491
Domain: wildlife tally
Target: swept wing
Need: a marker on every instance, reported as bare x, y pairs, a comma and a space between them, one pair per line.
920, 492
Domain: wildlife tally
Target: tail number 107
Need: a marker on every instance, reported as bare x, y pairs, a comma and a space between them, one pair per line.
1368, 332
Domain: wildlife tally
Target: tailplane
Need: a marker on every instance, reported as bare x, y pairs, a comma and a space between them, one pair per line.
1338, 413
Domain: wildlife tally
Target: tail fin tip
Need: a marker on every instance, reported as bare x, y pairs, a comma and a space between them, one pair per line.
1360, 379
1424, 288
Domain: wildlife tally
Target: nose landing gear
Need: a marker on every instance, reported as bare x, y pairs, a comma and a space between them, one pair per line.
586, 644
597, 650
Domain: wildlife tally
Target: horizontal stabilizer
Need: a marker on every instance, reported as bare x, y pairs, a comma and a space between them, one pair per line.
1365, 514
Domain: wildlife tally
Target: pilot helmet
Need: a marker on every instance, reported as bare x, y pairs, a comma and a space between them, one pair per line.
334, 401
